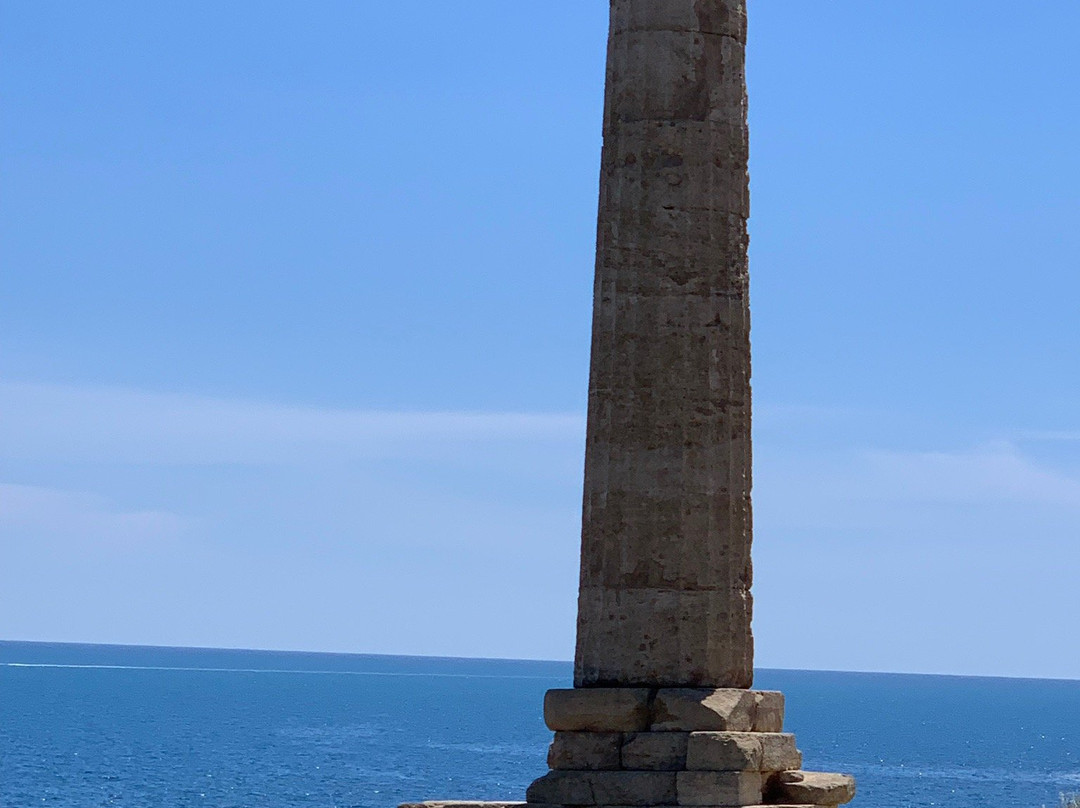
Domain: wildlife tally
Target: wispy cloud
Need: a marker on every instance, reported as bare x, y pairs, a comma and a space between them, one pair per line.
1063, 436
82, 516
880, 492
488, 503
56, 422
997, 472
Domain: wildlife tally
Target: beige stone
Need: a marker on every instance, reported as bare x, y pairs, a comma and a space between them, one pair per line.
778, 752
662, 637
719, 788
725, 17
654, 751
768, 711
586, 750
597, 709
817, 788
604, 788
724, 751
742, 751
650, 563
703, 709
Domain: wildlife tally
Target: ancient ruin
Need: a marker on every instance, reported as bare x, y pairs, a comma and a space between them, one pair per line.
661, 712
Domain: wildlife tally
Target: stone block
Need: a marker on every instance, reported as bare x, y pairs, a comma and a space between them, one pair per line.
742, 751
768, 711
663, 637
816, 788
778, 752
724, 17
649, 165
724, 752
674, 76
604, 788
664, 313
688, 709
597, 709
586, 750
647, 252
664, 543
667, 262
654, 751
722, 403
719, 788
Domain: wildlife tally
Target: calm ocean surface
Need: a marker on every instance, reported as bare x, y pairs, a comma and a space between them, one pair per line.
88, 726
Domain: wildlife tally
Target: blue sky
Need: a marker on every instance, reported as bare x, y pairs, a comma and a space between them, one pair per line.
295, 317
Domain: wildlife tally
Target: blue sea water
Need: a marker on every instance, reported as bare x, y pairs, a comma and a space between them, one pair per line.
85, 726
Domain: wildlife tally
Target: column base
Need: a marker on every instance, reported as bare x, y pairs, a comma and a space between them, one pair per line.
690, 747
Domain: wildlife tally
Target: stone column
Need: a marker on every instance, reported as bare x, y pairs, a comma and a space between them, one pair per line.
661, 713
665, 550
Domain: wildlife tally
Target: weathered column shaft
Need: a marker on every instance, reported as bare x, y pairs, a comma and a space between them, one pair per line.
661, 713
665, 570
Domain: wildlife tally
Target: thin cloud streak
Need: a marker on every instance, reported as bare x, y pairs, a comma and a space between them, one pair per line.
997, 472
875, 491
81, 516
57, 422
283, 543
1051, 436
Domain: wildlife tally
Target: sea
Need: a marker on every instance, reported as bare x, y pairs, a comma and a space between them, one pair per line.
86, 725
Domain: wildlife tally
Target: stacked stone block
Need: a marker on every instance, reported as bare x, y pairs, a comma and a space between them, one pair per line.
678, 747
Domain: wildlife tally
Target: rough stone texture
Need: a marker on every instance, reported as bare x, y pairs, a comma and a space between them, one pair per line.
671, 164
701, 709
597, 709
666, 572
742, 751
724, 751
603, 788
726, 17
817, 788
587, 750
778, 752
674, 76
655, 751
719, 788
768, 711
644, 627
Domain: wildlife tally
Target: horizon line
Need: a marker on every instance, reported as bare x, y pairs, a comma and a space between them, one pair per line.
436, 657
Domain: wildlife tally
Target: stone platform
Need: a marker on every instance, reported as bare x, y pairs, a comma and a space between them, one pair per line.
700, 747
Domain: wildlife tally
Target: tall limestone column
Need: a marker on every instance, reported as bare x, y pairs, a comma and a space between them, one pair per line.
661, 713
665, 549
